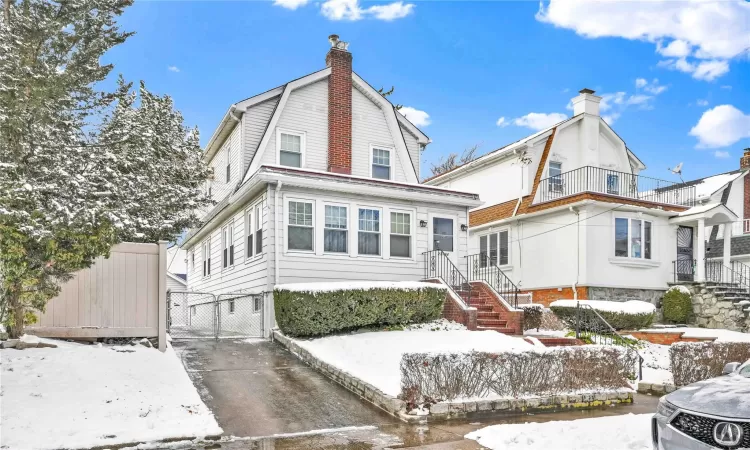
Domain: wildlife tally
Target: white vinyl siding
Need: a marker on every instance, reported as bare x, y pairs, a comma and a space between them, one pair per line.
370, 129
412, 145
255, 120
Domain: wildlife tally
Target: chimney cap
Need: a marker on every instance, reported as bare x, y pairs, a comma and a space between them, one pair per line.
336, 43
586, 91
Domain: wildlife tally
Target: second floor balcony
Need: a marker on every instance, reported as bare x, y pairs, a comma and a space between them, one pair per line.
589, 179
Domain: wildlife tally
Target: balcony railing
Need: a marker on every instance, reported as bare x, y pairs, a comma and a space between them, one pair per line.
739, 228
612, 182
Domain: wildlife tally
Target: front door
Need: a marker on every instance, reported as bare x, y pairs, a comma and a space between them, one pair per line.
443, 234
684, 266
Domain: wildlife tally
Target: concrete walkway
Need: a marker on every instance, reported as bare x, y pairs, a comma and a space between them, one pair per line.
259, 389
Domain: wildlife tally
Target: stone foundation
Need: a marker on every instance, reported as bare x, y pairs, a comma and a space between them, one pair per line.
652, 296
712, 311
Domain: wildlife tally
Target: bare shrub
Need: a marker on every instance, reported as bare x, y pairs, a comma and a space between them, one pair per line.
437, 377
696, 361
550, 321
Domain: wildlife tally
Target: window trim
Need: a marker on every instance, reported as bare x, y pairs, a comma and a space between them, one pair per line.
629, 257
431, 233
381, 253
347, 229
258, 226
391, 153
228, 164
487, 235
412, 234
302, 145
232, 307
257, 301
248, 233
285, 211
206, 260
227, 243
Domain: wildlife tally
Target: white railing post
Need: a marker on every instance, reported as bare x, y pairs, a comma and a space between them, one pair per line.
162, 317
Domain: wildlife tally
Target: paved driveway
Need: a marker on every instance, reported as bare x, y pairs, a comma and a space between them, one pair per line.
258, 388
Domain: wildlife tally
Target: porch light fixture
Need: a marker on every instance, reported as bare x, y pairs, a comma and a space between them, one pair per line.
464, 227
423, 223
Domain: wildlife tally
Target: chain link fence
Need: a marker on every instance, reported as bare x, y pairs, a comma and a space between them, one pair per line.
201, 315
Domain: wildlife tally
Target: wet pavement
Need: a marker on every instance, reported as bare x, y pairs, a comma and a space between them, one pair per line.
265, 398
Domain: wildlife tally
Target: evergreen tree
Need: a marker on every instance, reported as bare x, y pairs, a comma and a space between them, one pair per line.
80, 168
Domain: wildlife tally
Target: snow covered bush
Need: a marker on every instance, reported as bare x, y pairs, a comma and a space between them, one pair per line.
316, 309
532, 316
431, 378
630, 315
677, 305
696, 361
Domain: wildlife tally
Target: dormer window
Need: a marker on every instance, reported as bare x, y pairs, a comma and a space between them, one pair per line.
555, 179
381, 163
229, 164
291, 148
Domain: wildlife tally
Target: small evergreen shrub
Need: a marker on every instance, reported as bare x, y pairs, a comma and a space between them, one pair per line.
618, 319
317, 313
532, 316
677, 306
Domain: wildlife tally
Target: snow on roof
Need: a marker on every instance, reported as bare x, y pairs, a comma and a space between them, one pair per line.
709, 185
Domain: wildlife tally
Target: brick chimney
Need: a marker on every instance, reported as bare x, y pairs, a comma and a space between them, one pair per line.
745, 160
339, 107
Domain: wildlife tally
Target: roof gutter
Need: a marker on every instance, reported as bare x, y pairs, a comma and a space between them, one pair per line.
212, 142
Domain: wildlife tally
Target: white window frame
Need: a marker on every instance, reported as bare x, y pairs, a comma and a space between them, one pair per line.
412, 232
258, 227
206, 260
257, 304
227, 244
381, 254
249, 249
347, 229
287, 200
232, 307
392, 154
302, 145
228, 165
487, 235
456, 230
192, 260
629, 219
554, 184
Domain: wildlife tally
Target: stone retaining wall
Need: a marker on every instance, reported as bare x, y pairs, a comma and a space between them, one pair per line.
712, 311
655, 388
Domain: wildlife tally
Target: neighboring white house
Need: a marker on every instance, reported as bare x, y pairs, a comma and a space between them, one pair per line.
317, 180
567, 215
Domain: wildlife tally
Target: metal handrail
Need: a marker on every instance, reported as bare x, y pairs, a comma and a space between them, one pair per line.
613, 182
683, 264
717, 272
438, 265
744, 273
606, 336
481, 267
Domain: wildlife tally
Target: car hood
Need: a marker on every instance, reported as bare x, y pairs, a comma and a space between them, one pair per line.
727, 396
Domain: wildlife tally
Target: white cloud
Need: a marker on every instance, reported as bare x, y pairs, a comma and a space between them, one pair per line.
701, 102
721, 126
290, 4
715, 31
539, 121
415, 116
610, 118
652, 87
173, 69
640, 82
721, 154
501, 122
351, 10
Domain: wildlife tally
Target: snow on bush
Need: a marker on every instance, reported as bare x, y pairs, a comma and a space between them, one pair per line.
540, 372
316, 309
679, 288
633, 314
697, 361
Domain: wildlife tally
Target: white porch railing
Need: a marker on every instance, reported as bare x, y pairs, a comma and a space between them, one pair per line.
739, 228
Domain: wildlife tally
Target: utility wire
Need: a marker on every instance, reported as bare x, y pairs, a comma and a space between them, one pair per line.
569, 224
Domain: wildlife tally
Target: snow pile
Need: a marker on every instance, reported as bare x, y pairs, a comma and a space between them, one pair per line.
720, 334
531, 306
351, 285
680, 288
82, 396
436, 325
375, 357
656, 364
629, 307
626, 432
712, 184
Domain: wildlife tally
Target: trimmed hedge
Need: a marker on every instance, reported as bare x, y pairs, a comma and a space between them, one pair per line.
677, 306
432, 378
618, 320
697, 361
532, 316
320, 313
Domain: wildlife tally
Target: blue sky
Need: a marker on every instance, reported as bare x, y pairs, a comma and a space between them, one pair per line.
468, 64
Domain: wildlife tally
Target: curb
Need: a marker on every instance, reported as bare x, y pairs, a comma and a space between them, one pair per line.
655, 388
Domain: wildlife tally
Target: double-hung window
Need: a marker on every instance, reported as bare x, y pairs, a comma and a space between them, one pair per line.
300, 232
381, 163
227, 244
259, 228
291, 146
206, 249
632, 238
229, 164
494, 248
249, 246
335, 235
368, 239
400, 235
555, 176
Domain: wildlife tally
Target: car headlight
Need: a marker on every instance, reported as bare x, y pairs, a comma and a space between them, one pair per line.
665, 408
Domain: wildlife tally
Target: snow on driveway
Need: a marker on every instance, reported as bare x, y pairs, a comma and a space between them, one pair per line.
375, 357
626, 432
81, 396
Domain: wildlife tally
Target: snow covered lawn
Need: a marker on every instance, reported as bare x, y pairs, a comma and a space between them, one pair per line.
627, 432
656, 365
375, 357
81, 396
720, 334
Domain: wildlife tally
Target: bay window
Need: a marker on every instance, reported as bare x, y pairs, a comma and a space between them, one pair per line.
632, 238
494, 247
400, 235
335, 235
300, 232
368, 238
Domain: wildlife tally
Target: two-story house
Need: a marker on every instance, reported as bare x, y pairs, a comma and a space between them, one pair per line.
568, 215
317, 180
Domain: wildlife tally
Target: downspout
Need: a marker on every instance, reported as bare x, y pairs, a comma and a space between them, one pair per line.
276, 217
578, 250
520, 191
232, 110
